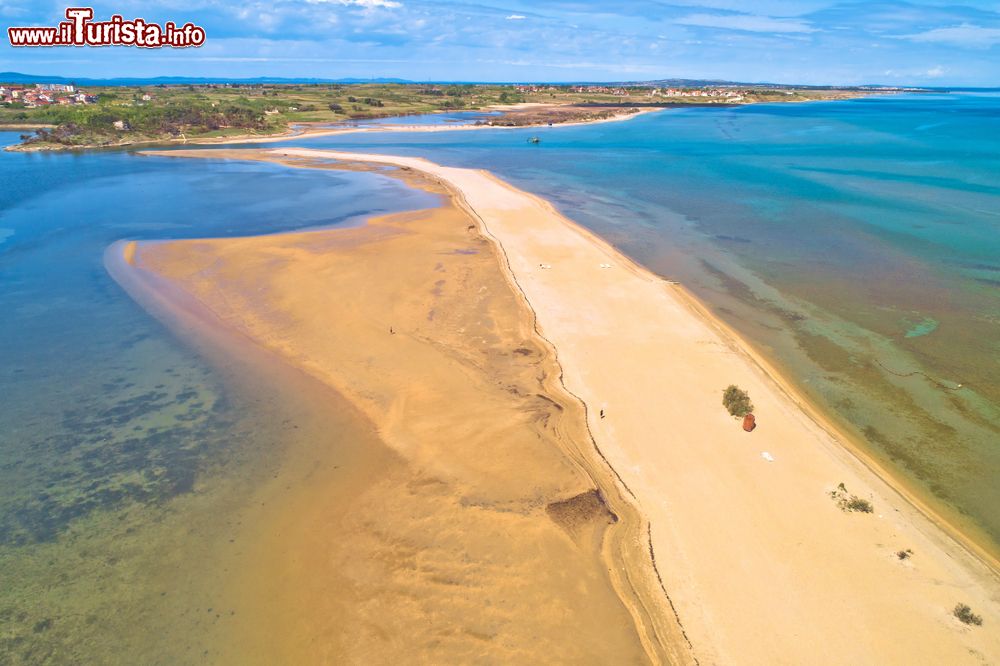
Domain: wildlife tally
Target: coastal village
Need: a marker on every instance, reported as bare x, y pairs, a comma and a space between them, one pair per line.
720, 94
72, 118
45, 94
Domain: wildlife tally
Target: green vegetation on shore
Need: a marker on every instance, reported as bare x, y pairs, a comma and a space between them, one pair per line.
139, 114
159, 113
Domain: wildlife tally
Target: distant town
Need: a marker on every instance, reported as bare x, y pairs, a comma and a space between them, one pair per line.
727, 94
44, 94
720, 93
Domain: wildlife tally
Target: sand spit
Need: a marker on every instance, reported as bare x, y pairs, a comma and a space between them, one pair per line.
321, 130
306, 130
760, 562
487, 530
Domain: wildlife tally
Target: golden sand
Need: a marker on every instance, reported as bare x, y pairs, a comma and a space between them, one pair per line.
482, 528
760, 564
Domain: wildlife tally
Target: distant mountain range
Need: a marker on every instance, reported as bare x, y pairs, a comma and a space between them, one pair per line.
19, 78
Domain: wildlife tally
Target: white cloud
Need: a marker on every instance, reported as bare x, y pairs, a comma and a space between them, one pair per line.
619, 68
516, 17
916, 73
965, 34
10, 10
366, 4
746, 22
768, 7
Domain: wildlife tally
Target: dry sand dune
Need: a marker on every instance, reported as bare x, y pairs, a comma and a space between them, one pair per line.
490, 532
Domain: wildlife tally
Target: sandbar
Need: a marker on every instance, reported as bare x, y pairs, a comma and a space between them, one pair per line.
757, 561
487, 531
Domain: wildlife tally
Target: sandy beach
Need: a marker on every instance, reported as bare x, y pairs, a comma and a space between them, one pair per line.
481, 526
758, 563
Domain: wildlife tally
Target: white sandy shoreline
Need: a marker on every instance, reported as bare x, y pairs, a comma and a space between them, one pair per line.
336, 131
758, 560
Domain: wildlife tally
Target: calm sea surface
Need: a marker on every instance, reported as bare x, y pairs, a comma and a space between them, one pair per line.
447, 118
856, 243
127, 463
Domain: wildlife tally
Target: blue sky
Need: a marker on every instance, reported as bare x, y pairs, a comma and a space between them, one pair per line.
926, 42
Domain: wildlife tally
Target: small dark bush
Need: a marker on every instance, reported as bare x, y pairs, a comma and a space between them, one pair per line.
737, 401
965, 614
904, 554
848, 502
855, 503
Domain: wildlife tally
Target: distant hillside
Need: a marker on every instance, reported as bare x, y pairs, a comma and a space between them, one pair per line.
17, 77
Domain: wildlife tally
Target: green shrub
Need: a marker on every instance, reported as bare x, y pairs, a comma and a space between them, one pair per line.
965, 614
737, 401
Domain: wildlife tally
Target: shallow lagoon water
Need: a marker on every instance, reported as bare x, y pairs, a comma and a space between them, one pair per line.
126, 460
444, 118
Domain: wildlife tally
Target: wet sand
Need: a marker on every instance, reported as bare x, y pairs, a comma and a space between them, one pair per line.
758, 560
474, 521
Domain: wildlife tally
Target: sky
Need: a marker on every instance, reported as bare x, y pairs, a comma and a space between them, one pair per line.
925, 42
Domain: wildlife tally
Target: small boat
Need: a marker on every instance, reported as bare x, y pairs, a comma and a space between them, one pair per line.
534, 139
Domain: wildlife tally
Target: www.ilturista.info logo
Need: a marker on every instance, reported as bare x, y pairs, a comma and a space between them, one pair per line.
81, 30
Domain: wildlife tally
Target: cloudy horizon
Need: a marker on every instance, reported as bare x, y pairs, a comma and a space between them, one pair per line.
817, 42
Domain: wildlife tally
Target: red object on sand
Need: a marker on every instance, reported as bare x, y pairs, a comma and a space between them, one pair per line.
749, 422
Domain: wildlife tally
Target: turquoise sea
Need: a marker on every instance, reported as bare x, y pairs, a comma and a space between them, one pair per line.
445, 118
855, 243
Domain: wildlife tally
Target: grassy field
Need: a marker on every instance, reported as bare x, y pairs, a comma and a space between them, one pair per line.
126, 115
